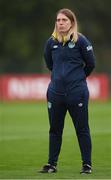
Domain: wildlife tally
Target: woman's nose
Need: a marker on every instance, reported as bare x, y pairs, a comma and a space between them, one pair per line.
61, 22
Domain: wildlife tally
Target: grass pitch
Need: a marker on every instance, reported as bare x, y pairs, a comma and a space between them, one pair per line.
24, 142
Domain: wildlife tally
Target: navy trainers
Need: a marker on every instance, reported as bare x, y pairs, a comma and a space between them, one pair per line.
86, 169
48, 169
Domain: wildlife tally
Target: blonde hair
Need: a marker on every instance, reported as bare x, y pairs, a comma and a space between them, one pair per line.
72, 33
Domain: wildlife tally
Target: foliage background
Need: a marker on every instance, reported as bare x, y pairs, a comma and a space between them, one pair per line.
25, 25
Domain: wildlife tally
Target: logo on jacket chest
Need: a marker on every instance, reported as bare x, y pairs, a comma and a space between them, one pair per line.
71, 45
55, 46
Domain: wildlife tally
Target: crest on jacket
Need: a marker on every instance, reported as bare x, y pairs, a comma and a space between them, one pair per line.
71, 45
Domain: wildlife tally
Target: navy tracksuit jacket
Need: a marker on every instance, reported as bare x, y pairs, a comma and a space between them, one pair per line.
69, 65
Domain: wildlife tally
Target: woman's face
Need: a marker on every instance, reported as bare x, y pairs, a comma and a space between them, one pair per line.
63, 23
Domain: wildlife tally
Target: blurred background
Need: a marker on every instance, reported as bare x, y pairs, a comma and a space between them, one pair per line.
25, 25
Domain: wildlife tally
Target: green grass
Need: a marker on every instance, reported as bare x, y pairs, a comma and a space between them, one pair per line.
24, 143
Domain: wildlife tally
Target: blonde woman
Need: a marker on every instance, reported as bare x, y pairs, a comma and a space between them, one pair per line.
70, 58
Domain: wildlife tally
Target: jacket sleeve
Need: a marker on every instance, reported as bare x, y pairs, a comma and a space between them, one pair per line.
88, 55
47, 55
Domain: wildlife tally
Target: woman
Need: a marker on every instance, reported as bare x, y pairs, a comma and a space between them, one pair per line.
69, 56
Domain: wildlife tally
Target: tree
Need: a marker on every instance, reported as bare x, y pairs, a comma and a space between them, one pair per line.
26, 24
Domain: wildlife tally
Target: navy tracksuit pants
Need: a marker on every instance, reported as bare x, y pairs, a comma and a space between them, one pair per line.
77, 106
